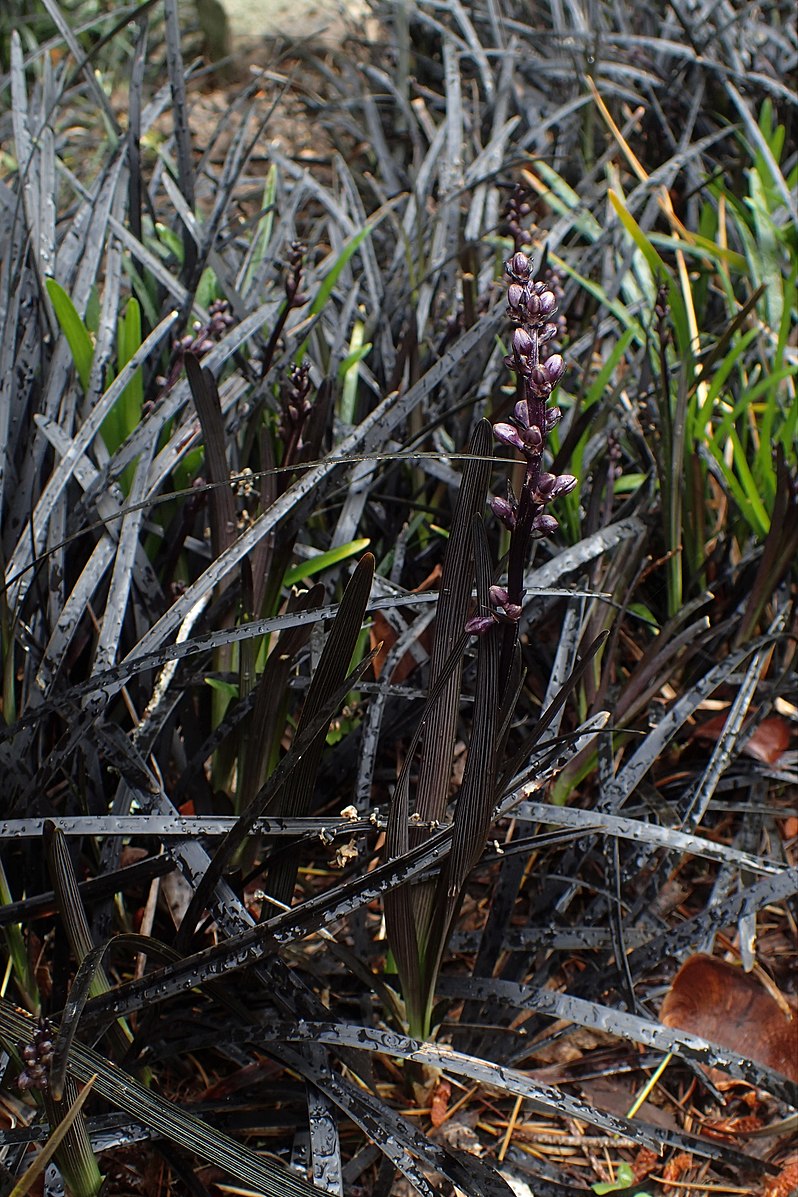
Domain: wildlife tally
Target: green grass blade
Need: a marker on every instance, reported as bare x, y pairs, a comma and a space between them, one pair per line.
73, 328
322, 561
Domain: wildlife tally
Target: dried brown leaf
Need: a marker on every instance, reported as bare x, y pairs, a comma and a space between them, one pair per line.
675, 1168
439, 1105
769, 742
719, 1002
785, 1184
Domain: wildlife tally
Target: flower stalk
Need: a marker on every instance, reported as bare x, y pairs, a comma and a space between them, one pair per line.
74, 1155
531, 307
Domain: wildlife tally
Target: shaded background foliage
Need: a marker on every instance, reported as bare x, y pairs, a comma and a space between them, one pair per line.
247, 334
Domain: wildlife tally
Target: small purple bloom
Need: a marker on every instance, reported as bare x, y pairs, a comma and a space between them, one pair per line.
522, 342
548, 303
508, 436
534, 438
564, 485
543, 525
532, 306
539, 382
515, 296
519, 267
504, 512
498, 596
479, 624
555, 368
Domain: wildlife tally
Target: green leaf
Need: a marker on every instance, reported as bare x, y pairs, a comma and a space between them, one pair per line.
263, 231
318, 564
740, 482
624, 1178
564, 200
325, 290
208, 288
702, 248
126, 412
92, 317
227, 689
768, 256
16, 947
170, 240
701, 415
25, 1183
352, 359
143, 285
614, 306
349, 371
600, 383
627, 484
73, 328
658, 269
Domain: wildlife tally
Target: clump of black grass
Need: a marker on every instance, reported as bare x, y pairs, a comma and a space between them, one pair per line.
420, 918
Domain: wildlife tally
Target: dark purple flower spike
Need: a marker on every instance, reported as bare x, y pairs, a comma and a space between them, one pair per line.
532, 309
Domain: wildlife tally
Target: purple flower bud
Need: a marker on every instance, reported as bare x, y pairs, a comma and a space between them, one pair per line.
512, 612
544, 525
547, 332
546, 484
533, 438
504, 512
532, 306
479, 624
521, 413
548, 303
564, 485
519, 267
555, 368
515, 296
539, 382
522, 342
508, 435
552, 418
498, 596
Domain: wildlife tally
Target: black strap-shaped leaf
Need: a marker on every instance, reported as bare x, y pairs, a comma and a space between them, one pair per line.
164, 1117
